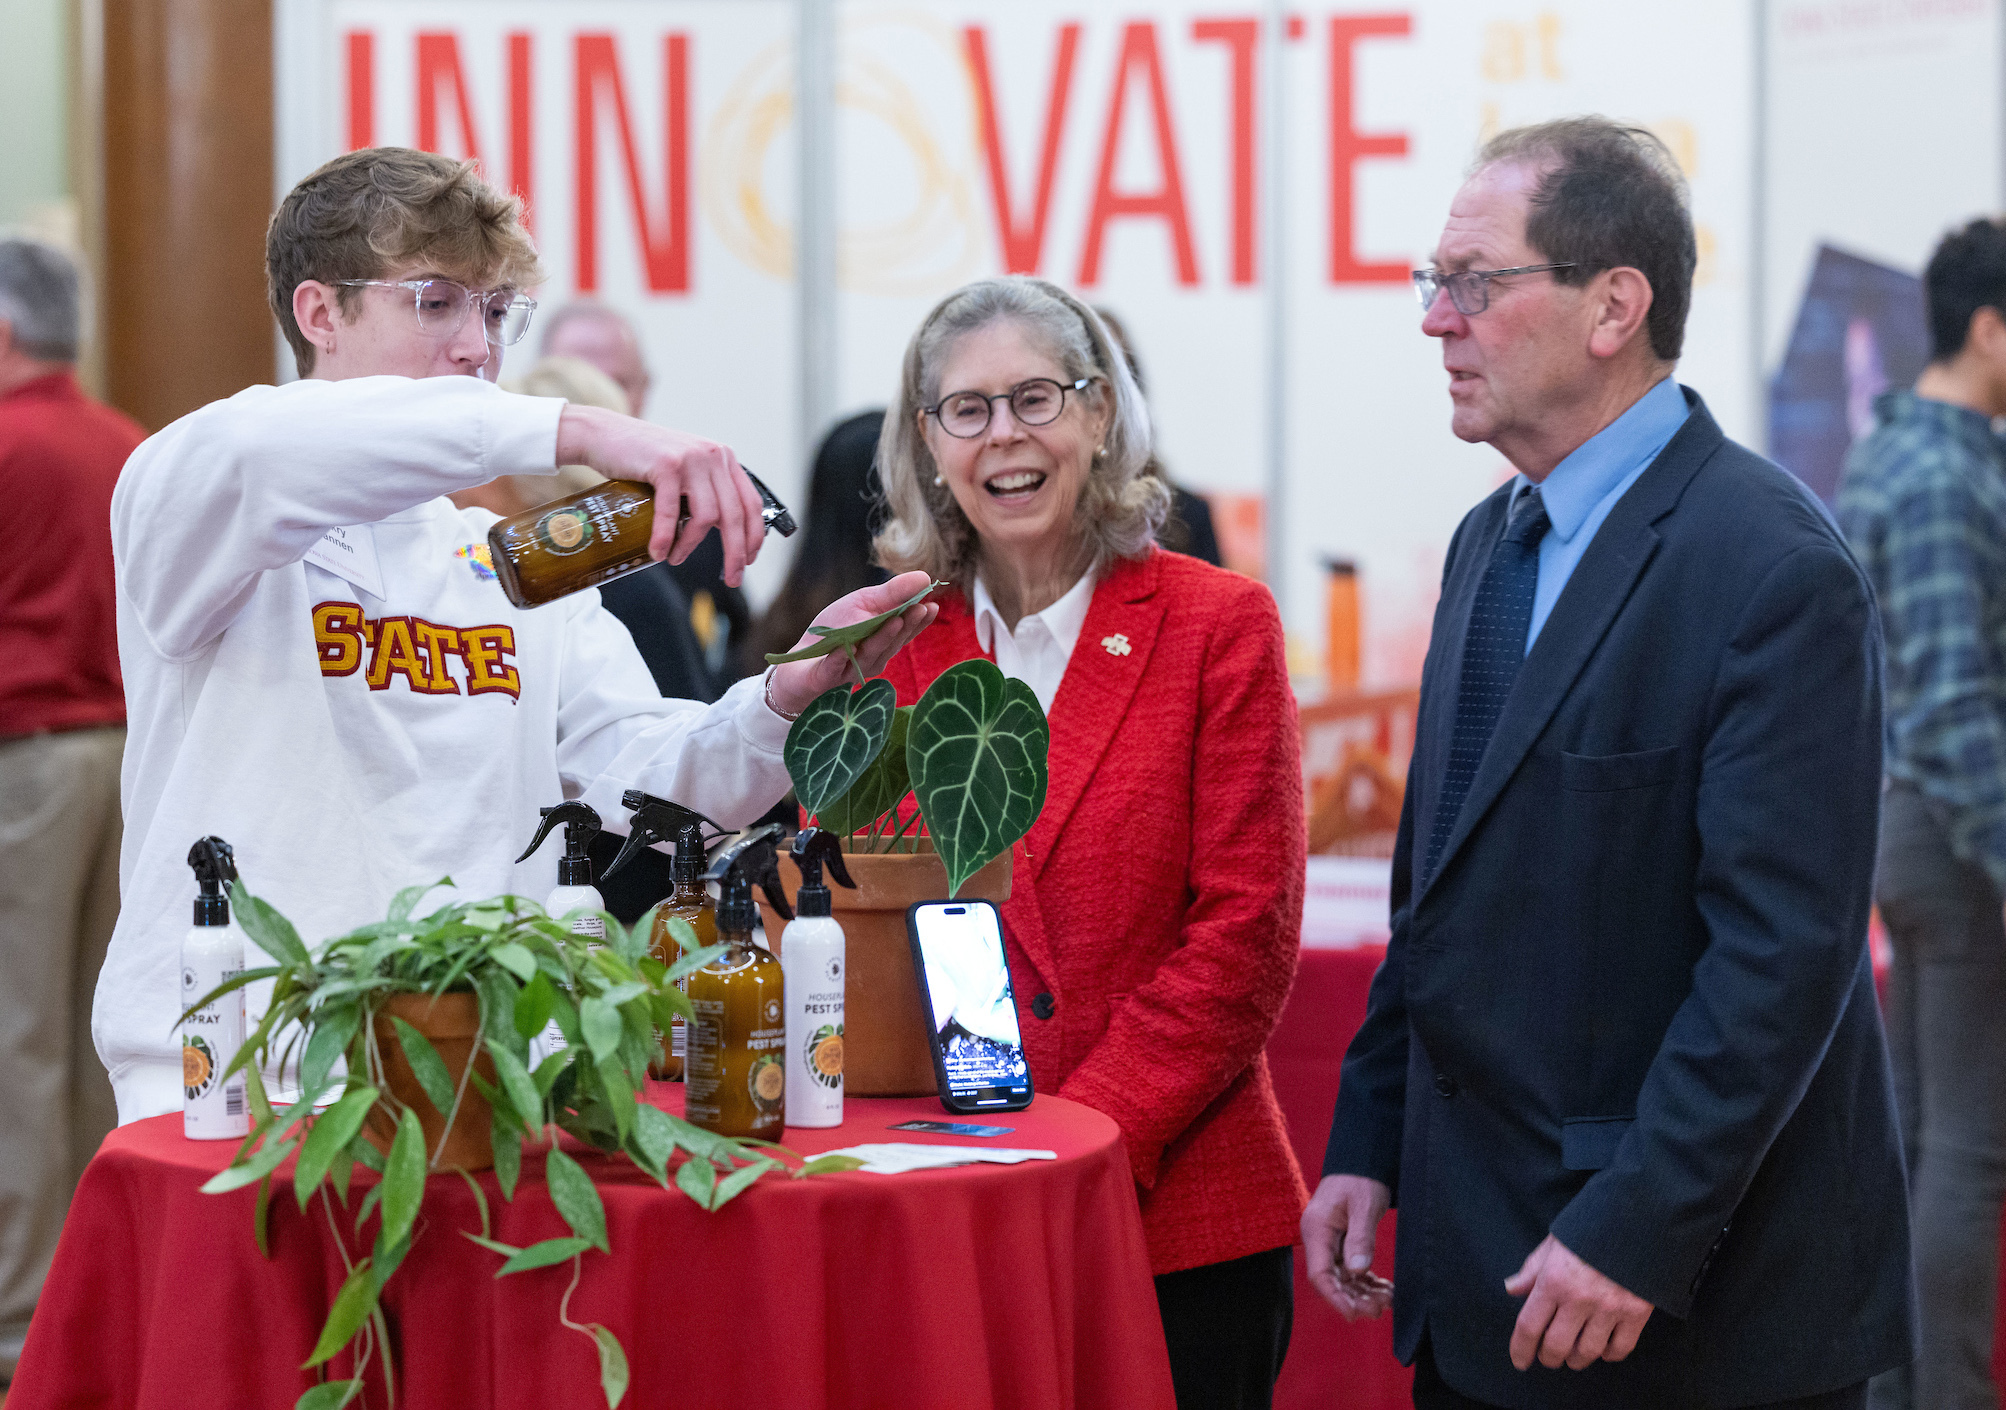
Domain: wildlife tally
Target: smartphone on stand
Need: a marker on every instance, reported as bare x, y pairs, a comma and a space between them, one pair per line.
964, 986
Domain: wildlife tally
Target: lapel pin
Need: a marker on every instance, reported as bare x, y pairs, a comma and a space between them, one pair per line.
1117, 645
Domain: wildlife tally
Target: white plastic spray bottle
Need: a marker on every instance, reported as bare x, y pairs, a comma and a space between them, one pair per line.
575, 892
811, 965
212, 953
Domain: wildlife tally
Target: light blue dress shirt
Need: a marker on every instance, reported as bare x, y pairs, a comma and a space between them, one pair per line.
1584, 487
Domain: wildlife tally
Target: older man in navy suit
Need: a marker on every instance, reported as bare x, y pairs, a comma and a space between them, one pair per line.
1622, 1072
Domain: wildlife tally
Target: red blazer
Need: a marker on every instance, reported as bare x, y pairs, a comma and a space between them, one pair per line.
1158, 899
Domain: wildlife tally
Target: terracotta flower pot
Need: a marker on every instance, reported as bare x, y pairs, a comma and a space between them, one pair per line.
453, 1024
884, 1023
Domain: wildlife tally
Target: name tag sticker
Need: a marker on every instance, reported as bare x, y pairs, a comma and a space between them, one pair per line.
350, 554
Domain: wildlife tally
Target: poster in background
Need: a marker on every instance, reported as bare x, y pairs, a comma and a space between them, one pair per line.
1859, 332
1125, 152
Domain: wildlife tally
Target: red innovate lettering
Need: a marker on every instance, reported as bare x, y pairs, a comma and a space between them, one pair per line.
521, 135
439, 64
1166, 203
361, 89
1022, 245
1240, 38
1348, 147
665, 244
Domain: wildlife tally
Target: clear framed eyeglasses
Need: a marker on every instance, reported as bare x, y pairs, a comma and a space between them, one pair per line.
442, 306
1038, 402
1469, 289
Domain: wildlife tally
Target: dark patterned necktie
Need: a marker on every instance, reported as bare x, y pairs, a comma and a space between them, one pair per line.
1493, 651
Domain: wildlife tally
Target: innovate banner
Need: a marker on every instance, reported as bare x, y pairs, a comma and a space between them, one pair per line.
1125, 151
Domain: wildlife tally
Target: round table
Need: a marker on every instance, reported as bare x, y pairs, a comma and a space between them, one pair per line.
981, 1286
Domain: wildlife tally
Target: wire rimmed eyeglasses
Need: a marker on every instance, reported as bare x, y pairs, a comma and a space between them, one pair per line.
1470, 289
1037, 402
442, 306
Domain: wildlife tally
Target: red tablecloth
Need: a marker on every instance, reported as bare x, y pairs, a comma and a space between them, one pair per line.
1004, 1286
1333, 1365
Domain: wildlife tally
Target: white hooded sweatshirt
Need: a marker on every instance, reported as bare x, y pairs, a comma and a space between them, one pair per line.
387, 720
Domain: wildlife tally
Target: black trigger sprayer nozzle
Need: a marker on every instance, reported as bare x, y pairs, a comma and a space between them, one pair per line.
215, 867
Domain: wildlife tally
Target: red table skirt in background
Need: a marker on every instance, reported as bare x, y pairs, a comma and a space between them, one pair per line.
1333, 1365
983, 1286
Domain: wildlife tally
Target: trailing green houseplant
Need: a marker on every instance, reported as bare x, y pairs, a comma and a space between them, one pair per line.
971, 754
524, 969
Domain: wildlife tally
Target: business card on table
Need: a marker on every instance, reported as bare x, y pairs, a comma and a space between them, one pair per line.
952, 1128
899, 1158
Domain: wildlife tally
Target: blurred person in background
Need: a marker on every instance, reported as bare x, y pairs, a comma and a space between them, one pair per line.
62, 732
1189, 527
719, 613
599, 335
845, 508
1156, 909
1923, 501
649, 603
575, 380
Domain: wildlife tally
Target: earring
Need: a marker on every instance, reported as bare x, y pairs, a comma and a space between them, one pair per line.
937, 480
1101, 454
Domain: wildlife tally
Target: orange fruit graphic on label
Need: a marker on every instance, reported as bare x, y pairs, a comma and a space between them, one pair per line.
829, 1057
196, 1066
566, 530
769, 1081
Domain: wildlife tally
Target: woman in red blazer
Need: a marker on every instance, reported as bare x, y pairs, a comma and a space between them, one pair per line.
1156, 904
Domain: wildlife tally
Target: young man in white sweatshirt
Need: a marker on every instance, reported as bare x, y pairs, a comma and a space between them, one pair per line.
319, 664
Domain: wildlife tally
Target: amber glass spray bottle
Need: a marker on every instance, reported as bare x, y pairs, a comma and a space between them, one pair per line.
658, 820
737, 1073
590, 537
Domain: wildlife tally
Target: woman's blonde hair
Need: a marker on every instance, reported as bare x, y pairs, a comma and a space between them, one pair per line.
1120, 508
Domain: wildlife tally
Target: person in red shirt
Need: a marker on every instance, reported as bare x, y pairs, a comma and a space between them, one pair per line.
62, 733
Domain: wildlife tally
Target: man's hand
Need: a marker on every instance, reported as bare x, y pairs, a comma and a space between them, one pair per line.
1573, 1316
797, 683
1340, 1228
680, 467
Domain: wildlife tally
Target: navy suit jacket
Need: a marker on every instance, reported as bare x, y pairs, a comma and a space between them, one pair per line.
1634, 1007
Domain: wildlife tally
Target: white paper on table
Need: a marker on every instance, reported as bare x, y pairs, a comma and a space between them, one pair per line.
897, 1157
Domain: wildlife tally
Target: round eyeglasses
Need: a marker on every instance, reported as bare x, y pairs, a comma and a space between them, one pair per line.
1469, 289
442, 306
1038, 402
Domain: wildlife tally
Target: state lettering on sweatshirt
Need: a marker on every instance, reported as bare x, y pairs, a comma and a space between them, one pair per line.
416, 650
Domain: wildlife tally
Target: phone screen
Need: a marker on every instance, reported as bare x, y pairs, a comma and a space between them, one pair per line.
974, 1010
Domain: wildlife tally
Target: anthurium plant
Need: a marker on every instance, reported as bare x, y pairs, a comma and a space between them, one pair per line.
971, 754
525, 969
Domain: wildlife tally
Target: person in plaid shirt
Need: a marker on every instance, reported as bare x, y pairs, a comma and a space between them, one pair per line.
1923, 502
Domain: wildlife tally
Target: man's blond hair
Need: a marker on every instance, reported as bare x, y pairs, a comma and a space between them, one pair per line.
369, 212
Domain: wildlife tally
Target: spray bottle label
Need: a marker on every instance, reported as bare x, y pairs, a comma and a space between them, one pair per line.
551, 1039
211, 1108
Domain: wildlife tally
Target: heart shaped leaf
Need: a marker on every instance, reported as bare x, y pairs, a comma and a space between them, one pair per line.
835, 740
878, 789
977, 752
854, 635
